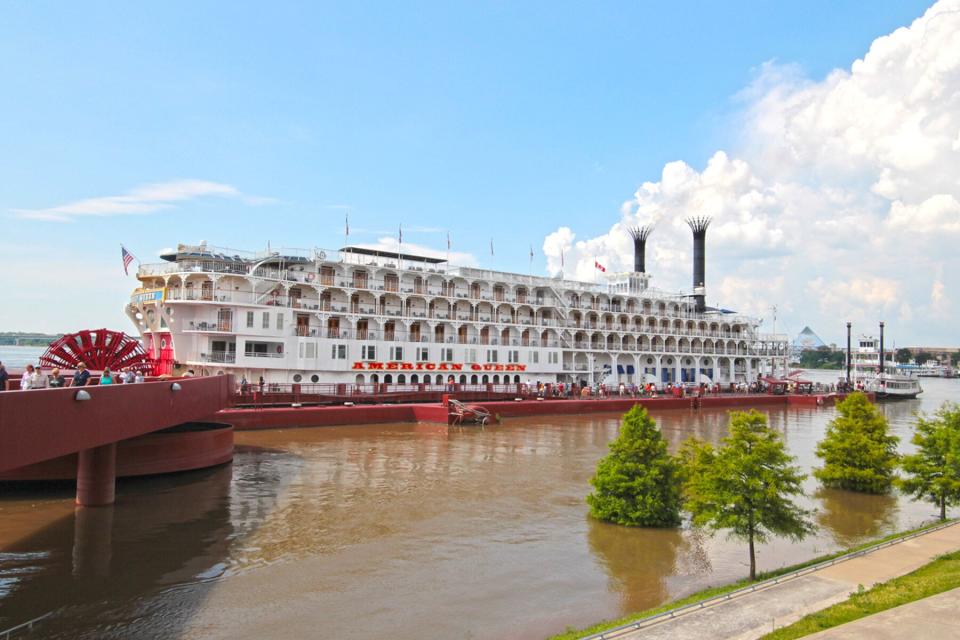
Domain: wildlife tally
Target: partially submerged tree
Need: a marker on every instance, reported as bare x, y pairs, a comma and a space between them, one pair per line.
934, 470
858, 452
637, 483
745, 485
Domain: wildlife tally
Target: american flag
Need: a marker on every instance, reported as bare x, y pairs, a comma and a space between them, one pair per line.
127, 258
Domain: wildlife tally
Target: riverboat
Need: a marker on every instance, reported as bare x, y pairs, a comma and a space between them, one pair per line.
887, 380
360, 315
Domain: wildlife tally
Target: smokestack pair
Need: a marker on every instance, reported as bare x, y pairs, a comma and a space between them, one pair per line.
699, 228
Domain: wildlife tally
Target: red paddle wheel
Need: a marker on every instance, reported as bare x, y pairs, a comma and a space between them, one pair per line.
98, 349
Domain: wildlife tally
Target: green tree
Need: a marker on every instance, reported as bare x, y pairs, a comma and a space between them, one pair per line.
745, 485
934, 470
858, 452
903, 355
637, 483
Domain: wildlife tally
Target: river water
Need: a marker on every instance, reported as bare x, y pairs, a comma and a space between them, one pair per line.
396, 531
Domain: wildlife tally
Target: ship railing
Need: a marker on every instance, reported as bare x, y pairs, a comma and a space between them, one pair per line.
302, 274
430, 385
226, 357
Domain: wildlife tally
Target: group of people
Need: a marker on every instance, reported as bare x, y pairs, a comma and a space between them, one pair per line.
35, 378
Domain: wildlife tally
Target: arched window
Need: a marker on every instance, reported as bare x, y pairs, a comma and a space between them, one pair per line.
401, 379
360, 378
388, 378
414, 379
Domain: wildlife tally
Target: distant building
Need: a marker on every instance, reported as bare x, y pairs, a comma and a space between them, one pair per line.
807, 339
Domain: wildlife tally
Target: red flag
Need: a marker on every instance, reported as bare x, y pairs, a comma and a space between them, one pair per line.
599, 266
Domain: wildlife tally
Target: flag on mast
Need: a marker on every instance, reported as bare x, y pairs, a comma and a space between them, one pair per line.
597, 265
448, 241
400, 234
346, 225
127, 259
491, 246
531, 252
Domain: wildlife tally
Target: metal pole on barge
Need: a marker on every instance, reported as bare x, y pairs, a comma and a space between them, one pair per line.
849, 355
881, 351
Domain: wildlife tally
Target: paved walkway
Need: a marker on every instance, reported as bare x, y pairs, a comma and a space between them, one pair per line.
753, 614
931, 617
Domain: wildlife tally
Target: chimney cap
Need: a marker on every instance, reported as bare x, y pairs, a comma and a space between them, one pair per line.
699, 224
640, 233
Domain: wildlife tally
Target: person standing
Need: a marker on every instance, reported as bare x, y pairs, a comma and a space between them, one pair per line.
81, 377
4, 376
39, 378
26, 380
56, 379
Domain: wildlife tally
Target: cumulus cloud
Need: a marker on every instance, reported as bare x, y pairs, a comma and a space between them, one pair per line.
843, 191
141, 200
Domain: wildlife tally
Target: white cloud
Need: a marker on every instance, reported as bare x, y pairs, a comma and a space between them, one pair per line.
837, 197
141, 200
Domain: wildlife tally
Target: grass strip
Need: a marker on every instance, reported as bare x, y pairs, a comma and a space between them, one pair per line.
943, 574
710, 592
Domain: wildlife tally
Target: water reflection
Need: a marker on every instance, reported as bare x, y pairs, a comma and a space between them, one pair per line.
640, 561
853, 517
107, 554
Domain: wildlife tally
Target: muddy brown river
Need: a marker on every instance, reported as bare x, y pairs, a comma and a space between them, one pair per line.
395, 531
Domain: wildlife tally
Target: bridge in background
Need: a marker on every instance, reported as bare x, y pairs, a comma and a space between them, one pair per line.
44, 424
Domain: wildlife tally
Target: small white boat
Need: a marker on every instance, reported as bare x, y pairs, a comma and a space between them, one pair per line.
885, 380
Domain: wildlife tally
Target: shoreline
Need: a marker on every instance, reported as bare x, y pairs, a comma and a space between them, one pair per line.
720, 590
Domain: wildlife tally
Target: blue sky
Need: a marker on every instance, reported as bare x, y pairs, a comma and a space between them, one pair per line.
502, 120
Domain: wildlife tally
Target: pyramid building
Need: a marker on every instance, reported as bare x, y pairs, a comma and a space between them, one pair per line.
807, 339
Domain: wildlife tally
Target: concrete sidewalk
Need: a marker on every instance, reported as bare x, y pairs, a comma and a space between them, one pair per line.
928, 618
754, 614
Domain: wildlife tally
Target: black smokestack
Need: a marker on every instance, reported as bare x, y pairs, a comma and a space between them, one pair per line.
639, 235
881, 349
849, 354
699, 228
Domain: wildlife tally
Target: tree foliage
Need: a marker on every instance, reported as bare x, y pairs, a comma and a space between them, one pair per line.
745, 485
934, 470
637, 483
903, 355
858, 452
822, 358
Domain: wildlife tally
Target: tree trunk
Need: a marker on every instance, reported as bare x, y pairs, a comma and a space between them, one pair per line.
943, 507
753, 558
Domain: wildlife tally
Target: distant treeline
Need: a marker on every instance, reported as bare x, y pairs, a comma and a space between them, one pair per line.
21, 339
822, 359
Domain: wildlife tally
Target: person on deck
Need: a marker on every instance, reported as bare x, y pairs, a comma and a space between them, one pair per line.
28, 377
39, 379
4, 376
56, 379
81, 377
106, 377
